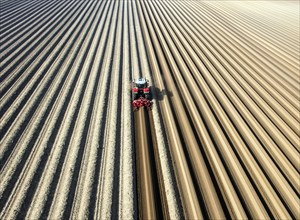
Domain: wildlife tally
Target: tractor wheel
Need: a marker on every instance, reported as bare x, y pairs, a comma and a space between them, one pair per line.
133, 96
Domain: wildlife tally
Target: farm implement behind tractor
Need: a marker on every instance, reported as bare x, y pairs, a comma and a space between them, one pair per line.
141, 94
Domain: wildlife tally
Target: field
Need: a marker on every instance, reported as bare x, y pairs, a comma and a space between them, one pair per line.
221, 141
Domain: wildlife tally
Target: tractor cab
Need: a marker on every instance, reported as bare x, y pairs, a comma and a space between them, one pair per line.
141, 83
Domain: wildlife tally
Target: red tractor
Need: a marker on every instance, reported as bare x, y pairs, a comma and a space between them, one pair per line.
141, 94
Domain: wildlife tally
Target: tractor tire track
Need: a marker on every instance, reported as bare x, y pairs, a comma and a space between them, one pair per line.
145, 173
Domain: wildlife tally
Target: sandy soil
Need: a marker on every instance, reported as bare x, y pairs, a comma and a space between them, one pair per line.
224, 124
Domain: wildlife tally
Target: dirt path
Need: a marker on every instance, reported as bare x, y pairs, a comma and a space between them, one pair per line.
145, 172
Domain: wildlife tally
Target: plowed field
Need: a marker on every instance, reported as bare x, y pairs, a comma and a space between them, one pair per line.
222, 139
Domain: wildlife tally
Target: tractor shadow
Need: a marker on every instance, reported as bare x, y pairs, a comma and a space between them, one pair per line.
158, 94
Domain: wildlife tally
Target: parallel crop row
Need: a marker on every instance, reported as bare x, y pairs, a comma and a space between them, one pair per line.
240, 119
223, 134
